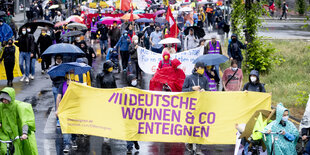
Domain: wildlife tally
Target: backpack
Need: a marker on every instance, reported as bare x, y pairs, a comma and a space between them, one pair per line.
162, 63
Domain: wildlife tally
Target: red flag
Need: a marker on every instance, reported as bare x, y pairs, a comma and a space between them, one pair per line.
174, 31
125, 5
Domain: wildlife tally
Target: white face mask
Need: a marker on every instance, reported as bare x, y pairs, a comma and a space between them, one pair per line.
134, 83
24, 32
28, 30
253, 78
136, 41
285, 118
234, 69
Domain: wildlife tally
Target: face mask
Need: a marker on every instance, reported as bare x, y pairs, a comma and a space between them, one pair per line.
43, 34
125, 34
114, 25
157, 30
28, 30
234, 69
110, 69
10, 43
23, 32
93, 20
234, 39
77, 39
166, 57
253, 78
200, 71
1, 24
134, 83
284, 118
136, 41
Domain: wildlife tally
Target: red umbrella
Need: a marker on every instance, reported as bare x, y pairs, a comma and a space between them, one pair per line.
75, 18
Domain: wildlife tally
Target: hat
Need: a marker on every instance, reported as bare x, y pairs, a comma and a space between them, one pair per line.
213, 37
4, 95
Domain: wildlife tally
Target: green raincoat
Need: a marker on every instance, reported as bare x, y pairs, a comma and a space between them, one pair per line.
13, 117
282, 146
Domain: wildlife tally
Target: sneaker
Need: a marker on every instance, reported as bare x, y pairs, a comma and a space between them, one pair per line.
67, 149
22, 79
74, 145
42, 72
27, 79
31, 77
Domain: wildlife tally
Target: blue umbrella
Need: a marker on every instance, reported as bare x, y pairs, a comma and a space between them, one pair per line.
143, 20
62, 69
63, 49
211, 59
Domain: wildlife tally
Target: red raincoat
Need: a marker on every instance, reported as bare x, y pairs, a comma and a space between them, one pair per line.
172, 76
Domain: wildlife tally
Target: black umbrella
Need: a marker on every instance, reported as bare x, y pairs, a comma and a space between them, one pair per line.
199, 32
34, 25
72, 34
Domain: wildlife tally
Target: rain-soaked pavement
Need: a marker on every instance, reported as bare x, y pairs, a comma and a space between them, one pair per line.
39, 93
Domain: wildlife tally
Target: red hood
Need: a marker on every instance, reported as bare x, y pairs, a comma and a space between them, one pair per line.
166, 53
175, 63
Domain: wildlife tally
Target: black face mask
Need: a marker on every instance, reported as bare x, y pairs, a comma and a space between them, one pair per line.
10, 43
234, 39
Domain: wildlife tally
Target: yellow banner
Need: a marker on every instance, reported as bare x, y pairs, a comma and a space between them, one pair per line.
137, 115
16, 71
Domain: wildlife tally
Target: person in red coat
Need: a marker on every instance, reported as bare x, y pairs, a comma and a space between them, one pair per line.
170, 78
166, 62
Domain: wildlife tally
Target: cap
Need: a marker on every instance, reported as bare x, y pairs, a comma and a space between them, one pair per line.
6, 96
213, 37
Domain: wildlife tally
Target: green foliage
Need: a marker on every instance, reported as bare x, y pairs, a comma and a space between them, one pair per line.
259, 54
301, 6
301, 98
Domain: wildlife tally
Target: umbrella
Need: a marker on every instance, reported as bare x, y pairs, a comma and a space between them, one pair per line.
61, 23
159, 12
211, 59
34, 25
143, 20
110, 21
62, 69
170, 41
199, 32
103, 18
79, 26
72, 34
127, 16
161, 20
55, 6
75, 18
63, 49
138, 11
186, 9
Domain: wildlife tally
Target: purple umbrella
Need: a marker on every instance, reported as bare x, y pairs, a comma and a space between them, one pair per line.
109, 21
159, 12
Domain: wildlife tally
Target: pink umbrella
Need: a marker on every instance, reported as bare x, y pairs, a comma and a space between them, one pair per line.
159, 12
109, 21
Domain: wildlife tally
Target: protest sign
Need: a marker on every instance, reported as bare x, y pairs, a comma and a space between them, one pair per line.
136, 115
148, 61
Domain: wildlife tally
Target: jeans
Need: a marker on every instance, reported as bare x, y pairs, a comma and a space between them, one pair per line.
239, 64
105, 44
55, 93
32, 66
157, 50
24, 56
246, 148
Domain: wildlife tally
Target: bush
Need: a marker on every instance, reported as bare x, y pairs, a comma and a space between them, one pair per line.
301, 6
